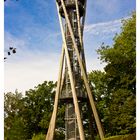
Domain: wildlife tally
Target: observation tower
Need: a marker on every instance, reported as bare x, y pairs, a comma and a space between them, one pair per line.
72, 87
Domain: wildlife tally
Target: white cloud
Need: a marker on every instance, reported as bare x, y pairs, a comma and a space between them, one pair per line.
94, 63
28, 73
104, 28
27, 68
30, 67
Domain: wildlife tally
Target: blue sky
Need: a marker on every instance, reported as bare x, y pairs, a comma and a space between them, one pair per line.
32, 27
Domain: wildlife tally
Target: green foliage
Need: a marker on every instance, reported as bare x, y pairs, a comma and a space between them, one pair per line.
59, 135
97, 137
121, 58
123, 137
115, 89
39, 137
38, 105
13, 122
25, 116
123, 112
100, 92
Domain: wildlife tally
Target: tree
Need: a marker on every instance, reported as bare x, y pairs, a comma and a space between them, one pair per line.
100, 93
38, 105
121, 58
11, 50
29, 116
13, 122
120, 75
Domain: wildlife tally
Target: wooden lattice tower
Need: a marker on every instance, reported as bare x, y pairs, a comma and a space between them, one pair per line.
70, 89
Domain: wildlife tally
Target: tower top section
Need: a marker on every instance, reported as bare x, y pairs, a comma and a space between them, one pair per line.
71, 6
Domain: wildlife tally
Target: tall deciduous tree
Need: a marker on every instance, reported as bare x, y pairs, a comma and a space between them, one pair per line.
120, 76
13, 122
30, 115
38, 105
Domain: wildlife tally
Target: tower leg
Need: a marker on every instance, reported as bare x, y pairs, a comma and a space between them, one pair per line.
75, 100
77, 111
51, 129
101, 133
75, 68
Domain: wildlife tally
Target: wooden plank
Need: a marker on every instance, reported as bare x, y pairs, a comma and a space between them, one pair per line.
79, 24
51, 130
84, 75
83, 20
62, 82
75, 100
80, 33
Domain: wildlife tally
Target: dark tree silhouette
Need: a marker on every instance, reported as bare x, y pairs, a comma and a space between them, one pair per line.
10, 51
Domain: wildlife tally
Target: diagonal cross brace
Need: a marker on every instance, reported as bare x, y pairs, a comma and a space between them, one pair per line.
80, 30
84, 74
50, 134
77, 110
51, 129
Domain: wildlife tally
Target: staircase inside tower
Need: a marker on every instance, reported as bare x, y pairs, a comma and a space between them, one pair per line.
71, 127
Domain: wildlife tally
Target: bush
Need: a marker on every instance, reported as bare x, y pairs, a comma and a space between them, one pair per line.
123, 137
39, 137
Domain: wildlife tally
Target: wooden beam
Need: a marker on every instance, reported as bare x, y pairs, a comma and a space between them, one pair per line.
83, 20
84, 75
80, 33
75, 100
62, 82
51, 130
79, 24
